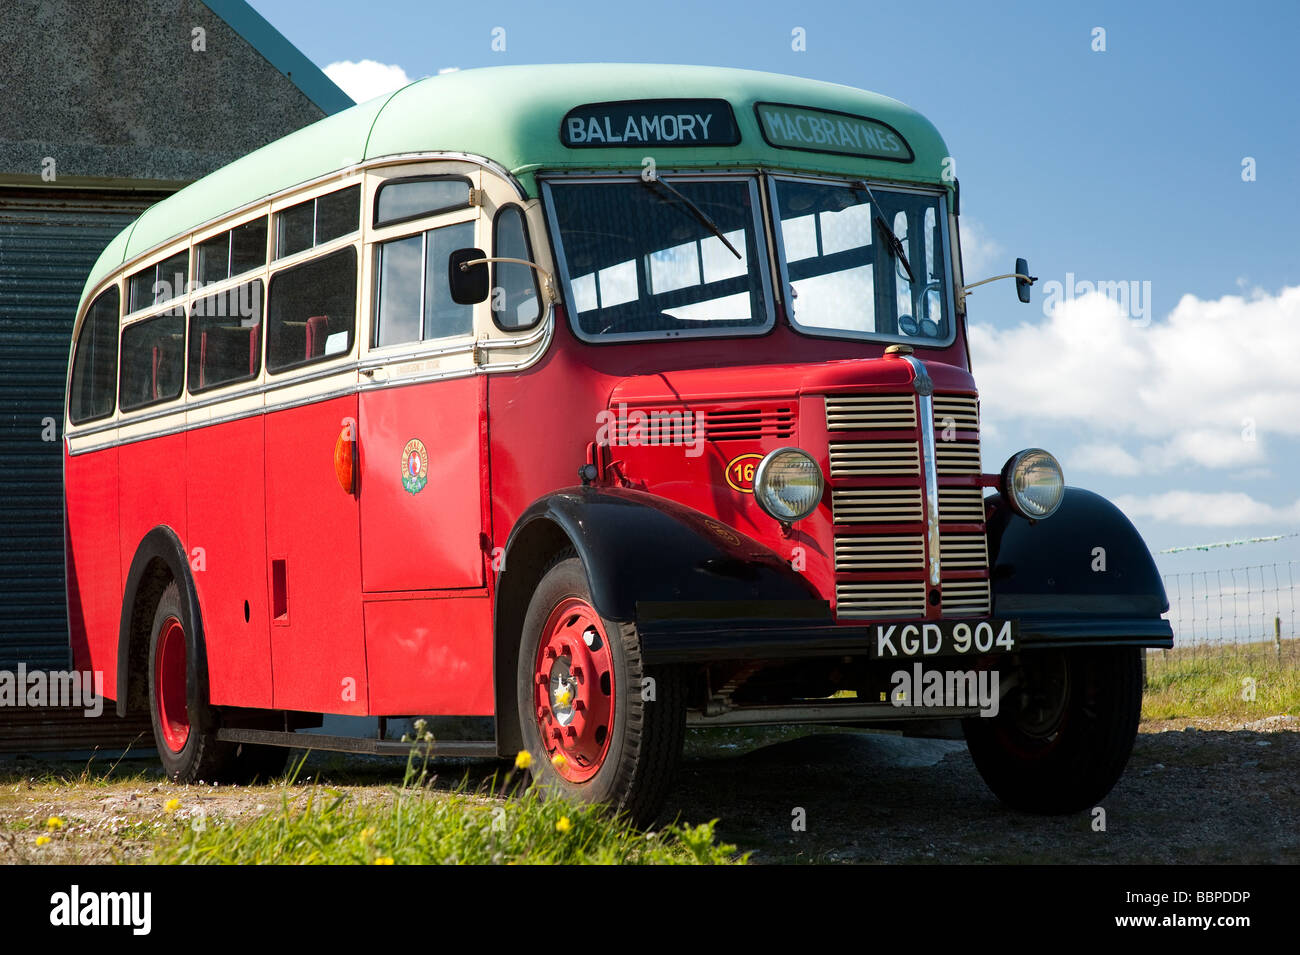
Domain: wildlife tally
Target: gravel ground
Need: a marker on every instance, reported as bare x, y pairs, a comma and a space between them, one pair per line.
1195, 791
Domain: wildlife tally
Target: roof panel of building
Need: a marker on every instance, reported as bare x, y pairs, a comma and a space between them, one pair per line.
513, 115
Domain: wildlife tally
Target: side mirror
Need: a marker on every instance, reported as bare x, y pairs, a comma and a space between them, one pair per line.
1023, 279
468, 283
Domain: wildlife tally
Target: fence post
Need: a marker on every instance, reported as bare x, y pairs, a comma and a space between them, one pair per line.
1277, 639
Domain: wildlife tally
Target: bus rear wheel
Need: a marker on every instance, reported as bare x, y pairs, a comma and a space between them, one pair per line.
1064, 733
184, 724
599, 725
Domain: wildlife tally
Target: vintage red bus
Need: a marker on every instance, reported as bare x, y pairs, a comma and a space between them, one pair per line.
582, 404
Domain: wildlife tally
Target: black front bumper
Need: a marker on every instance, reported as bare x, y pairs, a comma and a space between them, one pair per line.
700, 632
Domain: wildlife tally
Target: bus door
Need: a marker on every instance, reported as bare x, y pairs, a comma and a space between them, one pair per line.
422, 440
313, 565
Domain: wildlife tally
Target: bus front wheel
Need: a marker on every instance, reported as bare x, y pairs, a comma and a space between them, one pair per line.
599, 725
1064, 732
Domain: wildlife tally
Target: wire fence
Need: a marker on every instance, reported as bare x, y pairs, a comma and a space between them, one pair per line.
1238, 609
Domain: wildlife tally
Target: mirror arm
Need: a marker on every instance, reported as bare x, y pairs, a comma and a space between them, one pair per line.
1031, 279
548, 280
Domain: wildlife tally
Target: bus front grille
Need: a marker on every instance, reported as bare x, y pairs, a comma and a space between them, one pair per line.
877, 491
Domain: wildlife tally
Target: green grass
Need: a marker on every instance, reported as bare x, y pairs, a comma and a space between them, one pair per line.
420, 825
1210, 682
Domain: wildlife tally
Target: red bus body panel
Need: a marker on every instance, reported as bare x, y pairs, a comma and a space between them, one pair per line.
426, 539
430, 655
227, 544
318, 652
93, 562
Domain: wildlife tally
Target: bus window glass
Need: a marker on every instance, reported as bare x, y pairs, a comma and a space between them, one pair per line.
248, 246
226, 337
338, 214
159, 282
414, 300
295, 228
643, 259
516, 304
212, 259
317, 221
404, 199
94, 370
312, 311
844, 276
443, 317
401, 281
153, 360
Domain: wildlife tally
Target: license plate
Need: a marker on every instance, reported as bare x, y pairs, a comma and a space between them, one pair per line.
942, 638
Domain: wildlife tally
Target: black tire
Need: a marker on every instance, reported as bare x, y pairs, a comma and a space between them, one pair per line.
645, 742
203, 758
1062, 737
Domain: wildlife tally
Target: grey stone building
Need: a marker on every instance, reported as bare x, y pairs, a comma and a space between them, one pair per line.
105, 108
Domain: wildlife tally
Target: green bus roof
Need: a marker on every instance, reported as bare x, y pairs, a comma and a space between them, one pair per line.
512, 115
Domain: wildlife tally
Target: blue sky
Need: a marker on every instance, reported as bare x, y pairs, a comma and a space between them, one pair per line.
1118, 166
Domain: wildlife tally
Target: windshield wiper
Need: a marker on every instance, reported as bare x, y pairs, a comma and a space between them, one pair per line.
695, 211
895, 244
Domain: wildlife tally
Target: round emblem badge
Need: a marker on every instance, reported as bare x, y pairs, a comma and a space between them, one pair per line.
415, 466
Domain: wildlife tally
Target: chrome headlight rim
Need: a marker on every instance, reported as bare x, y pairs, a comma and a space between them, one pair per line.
1007, 483
761, 476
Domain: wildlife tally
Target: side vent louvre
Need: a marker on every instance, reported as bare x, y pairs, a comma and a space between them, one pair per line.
748, 424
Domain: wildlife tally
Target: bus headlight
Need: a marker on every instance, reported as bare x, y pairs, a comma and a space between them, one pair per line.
788, 484
1033, 484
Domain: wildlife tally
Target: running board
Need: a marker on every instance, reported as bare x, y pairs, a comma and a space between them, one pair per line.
355, 744
827, 713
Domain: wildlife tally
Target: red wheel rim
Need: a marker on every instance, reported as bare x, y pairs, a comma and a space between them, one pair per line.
573, 690
169, 684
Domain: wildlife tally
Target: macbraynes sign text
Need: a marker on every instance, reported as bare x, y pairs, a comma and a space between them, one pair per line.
827, 131
659, 122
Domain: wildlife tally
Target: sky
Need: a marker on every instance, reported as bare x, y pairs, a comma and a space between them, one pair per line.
1142, 156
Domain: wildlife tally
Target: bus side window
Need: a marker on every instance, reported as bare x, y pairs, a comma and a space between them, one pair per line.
414, 302
153, 360
226, 337
94, 370
312, 311
516, 304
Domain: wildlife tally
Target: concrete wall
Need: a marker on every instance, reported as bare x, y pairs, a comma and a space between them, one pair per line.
112, 89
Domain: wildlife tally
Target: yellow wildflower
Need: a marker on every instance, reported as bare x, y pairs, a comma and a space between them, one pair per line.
367, 834
172, 804
42, 840
384, 860
54, 822
524, 759
563, 824
558, 761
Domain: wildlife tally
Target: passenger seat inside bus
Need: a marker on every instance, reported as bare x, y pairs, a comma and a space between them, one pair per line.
317, 331
222, 351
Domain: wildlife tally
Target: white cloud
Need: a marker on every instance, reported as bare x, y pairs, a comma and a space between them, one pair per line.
366, 79
1104, 458
1206, 509
1207, 386
981, 255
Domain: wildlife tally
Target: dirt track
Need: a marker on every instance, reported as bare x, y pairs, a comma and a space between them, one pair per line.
1194, 794
1203, 792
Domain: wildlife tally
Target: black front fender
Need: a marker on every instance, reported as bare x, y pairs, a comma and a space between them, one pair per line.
1082, 574
647, 557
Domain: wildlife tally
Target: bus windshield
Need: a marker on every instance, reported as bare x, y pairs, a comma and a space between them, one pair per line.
662, 258
843, 276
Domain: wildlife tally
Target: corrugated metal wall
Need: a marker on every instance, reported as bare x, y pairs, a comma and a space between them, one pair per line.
49, 239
